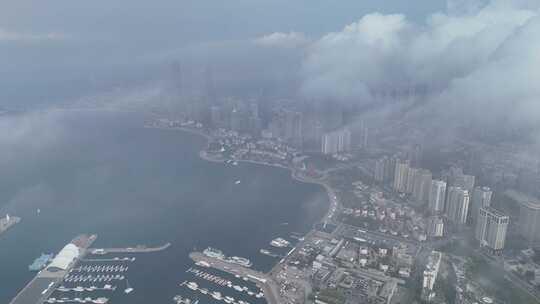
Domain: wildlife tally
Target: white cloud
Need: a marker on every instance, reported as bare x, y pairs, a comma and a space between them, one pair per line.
472, 57
7, 35
284, 40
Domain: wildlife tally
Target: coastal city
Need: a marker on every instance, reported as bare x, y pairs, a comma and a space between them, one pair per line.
395, 232
399, 228
270, 152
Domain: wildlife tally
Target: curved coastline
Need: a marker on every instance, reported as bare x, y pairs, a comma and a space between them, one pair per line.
294, 172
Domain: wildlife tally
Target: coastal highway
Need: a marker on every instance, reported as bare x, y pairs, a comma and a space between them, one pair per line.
263, 281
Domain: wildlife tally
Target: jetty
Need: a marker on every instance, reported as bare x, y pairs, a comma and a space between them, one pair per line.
136, 249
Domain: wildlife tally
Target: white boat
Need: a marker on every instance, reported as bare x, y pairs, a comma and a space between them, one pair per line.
214, 253
238, 288
202, 264
240, 261
237, 182
217, 295
280, 243
192, 285
128, 289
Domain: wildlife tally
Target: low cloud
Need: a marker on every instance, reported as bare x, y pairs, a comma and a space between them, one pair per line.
478, 60
14, 36
283, 40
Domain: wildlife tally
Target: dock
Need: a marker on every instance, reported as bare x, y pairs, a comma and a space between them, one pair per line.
262, 280
45, 282
136, 249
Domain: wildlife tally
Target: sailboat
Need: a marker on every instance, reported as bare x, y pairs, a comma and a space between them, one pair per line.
128, 288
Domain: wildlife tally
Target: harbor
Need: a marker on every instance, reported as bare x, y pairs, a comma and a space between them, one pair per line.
45, 282
154, 224
269, 289
80, 274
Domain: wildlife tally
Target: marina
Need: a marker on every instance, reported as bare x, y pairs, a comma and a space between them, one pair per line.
218, 254
178, 299
224, 282
269, 288
91, 288
180, 224
216, 295
100, 268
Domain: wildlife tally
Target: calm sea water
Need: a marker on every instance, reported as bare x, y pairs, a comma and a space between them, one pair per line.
106, 174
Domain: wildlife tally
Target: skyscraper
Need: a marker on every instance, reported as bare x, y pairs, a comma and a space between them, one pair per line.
411, 177
422, 185
529, 215
464, 181
435, 226
293, 128
457, 205
400, 176
529, 220
380, 166
437, 196
336, 141
491, 228
481, 198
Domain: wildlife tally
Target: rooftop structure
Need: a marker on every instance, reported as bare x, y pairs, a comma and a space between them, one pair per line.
65, 258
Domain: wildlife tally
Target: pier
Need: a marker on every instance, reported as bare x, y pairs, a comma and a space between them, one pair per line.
46, 281
262, 280
136, 249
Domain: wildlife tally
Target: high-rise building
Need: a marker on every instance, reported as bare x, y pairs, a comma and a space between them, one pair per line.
364, 138
411, 177
380, 166
529, 220
457, 205
481, 199
464, 181
435, 226
293, 127
529, 215
400, 176
430, 275
237, 120
422, 185
415, 155
215, 116
437, 196
491, 228
389, 170
336, 141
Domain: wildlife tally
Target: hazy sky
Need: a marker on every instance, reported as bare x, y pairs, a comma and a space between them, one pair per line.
60, 47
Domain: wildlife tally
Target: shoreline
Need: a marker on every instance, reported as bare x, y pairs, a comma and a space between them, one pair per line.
293, 172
